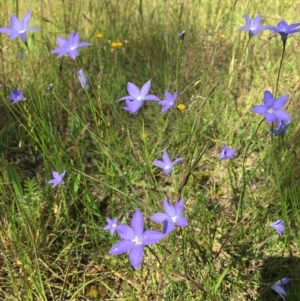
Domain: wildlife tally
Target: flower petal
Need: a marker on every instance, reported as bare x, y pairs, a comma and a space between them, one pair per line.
15, 23
179, 207
166, 158
26, 20
152, 237
260, 109
137, 223
257, 21
280, 102
159, 217
126, 232
159, 164
182, 222
283, 115
145, 89
136, 256
169, 208
121, 247
133, 90
177, 160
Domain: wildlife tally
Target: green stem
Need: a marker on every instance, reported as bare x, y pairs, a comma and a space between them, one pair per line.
241, 199
280, 67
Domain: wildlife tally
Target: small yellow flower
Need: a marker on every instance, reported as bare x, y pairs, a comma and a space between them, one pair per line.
222, 36
204, 27
55, 14
99, 35
114, 44
143, 136
181, 107
35, 11
120, 44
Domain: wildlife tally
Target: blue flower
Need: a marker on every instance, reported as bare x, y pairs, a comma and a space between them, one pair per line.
168, 102
173, 216
19, 28
278, 226
254, 26
226, 153
70, 46
278, 287
16, 96
137, 96
57, 178
282, 127
271, 108
166, 164
134, 239
112, 225
284, 29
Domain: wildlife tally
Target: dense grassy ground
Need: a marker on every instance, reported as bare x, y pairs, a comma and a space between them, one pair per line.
52, 243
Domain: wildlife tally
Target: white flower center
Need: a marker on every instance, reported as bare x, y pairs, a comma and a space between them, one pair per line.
114, 225
271, 110
174, 219
139, 98
137, 241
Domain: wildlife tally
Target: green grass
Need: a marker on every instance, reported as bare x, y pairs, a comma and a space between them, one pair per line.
51, 240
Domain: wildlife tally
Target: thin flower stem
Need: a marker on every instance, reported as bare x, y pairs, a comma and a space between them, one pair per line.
177, 63
239, 214
280, 66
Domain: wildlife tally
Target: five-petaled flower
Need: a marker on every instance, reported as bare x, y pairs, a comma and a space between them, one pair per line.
278, 226
134, 238
172, 217
282, 126
19, 28
226, 153
112, 225
166, 164
70, 46
138, 96
271, 108
168, 102
16, 96
278, 287
284, 29
254, 26
57, 178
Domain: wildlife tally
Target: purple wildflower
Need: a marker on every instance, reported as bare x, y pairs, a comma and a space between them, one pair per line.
271, 108
254, 26
281, 129
134, 239
278, 287
16, 96
19, 28
278, 226
132, 106
226, 153
284, 29
70, 46
168, 102
112, 225
57, 178
173, 216
139, 96
166, 164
